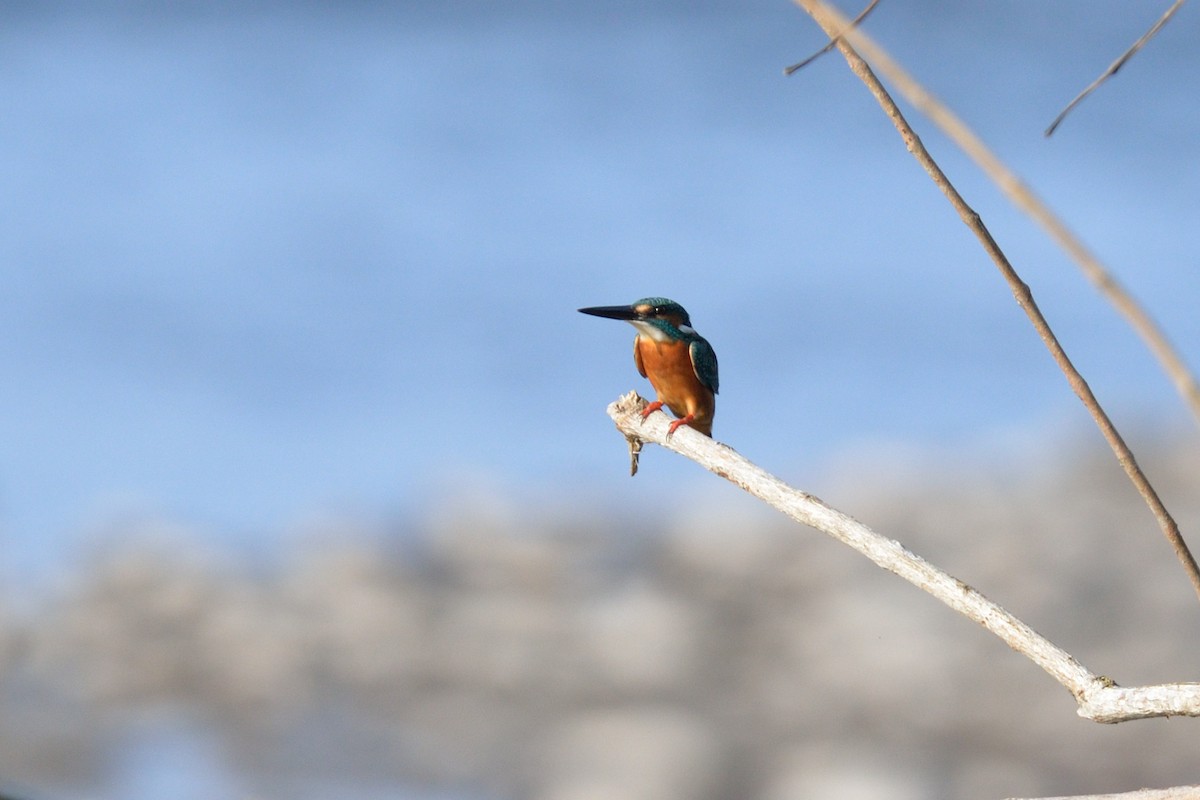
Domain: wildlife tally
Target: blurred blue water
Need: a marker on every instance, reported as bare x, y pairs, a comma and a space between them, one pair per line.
268, 262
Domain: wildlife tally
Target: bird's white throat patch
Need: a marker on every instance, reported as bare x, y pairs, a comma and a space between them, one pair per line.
649, 331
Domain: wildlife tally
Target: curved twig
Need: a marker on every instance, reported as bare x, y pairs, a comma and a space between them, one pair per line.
1098, 698
1023, 197
831, 21
1114, 67
832, 43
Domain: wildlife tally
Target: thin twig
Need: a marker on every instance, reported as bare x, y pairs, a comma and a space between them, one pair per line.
1023, 197
1114, 67
1098, 698
830, 20
833, 42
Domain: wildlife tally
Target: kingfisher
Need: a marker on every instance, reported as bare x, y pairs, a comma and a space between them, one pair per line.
679, 362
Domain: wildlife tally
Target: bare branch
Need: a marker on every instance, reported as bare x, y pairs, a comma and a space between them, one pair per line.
1021, 196
1173, 364
830, 20
832, 42
1098, 698
1174, 793
1114, 67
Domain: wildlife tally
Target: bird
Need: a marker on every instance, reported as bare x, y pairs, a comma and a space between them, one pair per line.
680, 363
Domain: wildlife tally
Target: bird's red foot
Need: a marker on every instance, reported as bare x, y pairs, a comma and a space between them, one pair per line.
676, 423
651, 408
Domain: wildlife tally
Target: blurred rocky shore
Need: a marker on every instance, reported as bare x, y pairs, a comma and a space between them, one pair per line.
705, 655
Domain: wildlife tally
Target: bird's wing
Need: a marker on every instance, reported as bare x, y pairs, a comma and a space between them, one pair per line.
637, 355
704, 362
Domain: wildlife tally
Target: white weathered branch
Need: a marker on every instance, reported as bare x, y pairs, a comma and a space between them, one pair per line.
1098, 697
1174, 793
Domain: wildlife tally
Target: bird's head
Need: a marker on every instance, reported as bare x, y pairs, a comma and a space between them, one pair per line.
657, 317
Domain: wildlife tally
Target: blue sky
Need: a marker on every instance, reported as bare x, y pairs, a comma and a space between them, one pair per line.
274, 263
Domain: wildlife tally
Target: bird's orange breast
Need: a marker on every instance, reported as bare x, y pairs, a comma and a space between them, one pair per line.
668, 366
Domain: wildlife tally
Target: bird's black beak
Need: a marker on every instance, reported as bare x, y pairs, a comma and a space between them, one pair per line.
612, 312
